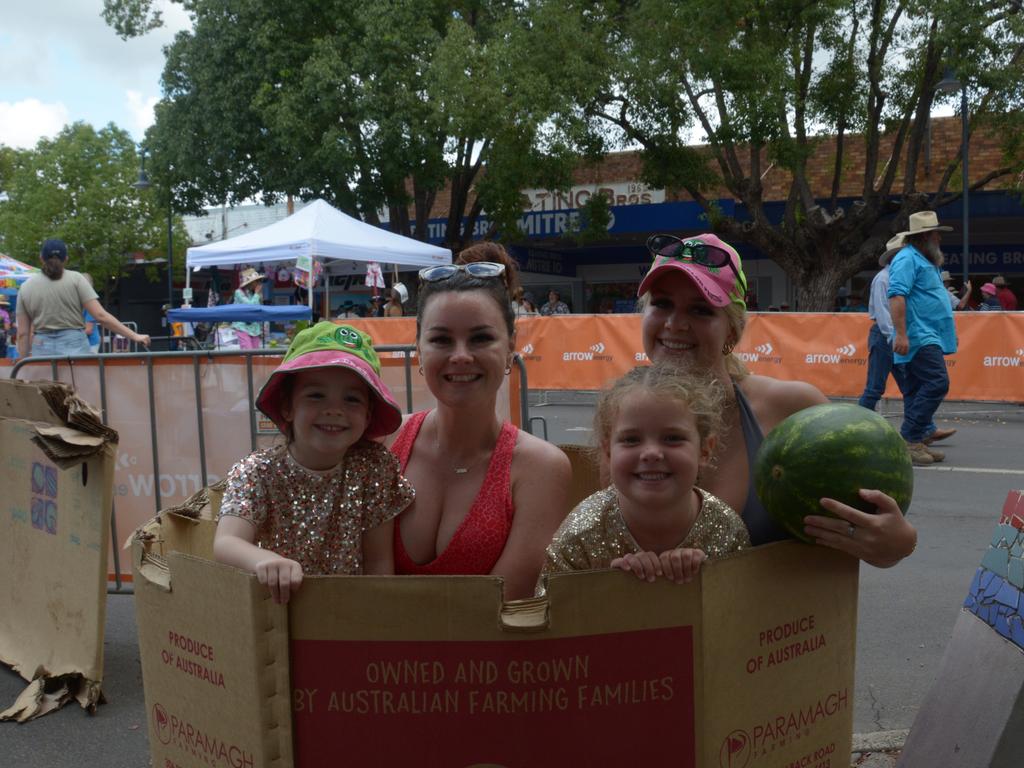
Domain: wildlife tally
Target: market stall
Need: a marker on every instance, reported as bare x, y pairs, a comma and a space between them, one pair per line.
239, 313
316, 235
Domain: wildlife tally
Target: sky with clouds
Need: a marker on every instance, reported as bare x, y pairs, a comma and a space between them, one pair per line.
61, 63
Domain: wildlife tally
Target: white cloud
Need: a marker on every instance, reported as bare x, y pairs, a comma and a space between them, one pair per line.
24, 122
141, 111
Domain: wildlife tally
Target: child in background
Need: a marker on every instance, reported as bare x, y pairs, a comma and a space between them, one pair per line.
657, 428
323, 503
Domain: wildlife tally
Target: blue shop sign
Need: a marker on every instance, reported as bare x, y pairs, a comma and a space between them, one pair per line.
985, 259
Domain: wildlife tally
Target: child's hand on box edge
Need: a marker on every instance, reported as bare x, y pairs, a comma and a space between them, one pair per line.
682, 565
282, 575
643, 565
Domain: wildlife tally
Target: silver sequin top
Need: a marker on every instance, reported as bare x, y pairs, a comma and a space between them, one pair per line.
595, 533
317, 518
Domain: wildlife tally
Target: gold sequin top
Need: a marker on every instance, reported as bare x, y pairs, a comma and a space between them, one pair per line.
317, 518
595, 533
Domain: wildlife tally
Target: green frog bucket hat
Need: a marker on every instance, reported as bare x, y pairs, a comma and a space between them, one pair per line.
326, 345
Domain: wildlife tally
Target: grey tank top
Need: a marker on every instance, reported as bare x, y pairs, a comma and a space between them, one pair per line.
762, 527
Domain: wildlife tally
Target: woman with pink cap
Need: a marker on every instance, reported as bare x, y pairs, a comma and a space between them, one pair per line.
324, 502
694, 315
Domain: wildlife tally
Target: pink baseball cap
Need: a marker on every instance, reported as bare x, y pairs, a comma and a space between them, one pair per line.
326, 345
989, 288
712, 264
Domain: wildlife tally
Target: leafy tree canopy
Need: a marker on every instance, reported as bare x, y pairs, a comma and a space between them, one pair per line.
78, 187
768, 84
372, 105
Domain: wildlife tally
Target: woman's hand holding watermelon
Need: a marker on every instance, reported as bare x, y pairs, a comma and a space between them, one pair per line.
881, 539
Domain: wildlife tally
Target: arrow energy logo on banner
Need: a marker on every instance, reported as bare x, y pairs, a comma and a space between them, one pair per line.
1004, 361
843, 355
762, 354
594, 352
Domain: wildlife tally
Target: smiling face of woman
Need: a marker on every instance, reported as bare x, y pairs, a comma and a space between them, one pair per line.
681, 326
464, 346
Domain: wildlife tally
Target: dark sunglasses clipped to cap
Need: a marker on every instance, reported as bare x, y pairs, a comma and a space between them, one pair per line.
474, 268
697, 251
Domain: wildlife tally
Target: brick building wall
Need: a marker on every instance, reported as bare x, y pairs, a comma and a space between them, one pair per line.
985, 156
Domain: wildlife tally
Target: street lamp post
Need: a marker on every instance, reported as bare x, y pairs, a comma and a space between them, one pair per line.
950, 84
142, 184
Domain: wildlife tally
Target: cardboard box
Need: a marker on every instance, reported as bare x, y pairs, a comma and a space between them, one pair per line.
749, 667
56, 472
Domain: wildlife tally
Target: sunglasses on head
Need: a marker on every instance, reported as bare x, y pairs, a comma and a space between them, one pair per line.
482, 269
697, 251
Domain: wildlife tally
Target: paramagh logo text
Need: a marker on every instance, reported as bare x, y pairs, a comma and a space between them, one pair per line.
596, 352
997, 361
763, 353
197, 742
786, 726
843, 355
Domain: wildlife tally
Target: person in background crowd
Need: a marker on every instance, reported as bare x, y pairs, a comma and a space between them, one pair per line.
393, 306
880, 340
925, 333
5, 324
990, 299
554, 305
489, 496
92, 328
694, 317
375, 308
347, 311
523, 304
1006, 297
52, 305
955, 301
249, 291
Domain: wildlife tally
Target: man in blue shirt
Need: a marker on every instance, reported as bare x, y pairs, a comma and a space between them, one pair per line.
924, 331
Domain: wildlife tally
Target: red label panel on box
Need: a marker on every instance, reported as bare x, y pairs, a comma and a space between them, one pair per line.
570, 701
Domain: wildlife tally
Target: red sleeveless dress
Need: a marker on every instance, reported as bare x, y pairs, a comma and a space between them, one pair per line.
480, 538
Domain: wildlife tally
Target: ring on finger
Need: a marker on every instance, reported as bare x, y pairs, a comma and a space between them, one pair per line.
852, 529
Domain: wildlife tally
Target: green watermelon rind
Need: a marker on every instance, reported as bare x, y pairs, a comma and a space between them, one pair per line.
810, 456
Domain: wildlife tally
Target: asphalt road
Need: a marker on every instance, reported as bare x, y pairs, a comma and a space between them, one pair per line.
906, 613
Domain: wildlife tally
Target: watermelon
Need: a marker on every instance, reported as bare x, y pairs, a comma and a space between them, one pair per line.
832, 450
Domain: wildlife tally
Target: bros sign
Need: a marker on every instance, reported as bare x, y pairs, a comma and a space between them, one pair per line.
617, 192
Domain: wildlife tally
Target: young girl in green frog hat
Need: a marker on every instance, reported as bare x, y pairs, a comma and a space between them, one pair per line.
323, 503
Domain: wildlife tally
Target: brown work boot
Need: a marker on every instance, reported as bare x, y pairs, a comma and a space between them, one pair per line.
938, 434
937, 456
920, 456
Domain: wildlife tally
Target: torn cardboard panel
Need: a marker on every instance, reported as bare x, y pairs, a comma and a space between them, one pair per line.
55, 511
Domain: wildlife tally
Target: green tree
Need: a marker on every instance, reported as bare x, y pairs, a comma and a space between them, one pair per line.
373, 105
78, 187
766, 85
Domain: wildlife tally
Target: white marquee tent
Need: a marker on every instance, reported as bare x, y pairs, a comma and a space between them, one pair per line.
320, 232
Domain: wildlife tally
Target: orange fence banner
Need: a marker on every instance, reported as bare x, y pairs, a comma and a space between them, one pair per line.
827, 349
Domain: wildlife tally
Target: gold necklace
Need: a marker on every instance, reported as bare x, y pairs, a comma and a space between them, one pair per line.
461, 470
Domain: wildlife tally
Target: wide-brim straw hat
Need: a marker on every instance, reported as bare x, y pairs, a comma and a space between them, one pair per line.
248, 277
925, 221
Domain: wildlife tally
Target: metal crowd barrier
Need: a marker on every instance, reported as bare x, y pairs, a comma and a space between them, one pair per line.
199, 357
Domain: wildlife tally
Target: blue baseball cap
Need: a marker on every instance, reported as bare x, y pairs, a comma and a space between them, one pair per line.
54, 247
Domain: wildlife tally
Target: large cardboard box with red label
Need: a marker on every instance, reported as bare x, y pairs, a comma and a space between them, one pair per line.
752, 666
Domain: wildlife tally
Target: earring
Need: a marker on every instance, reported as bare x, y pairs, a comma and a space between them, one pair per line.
508, 370
727, 348
421, 370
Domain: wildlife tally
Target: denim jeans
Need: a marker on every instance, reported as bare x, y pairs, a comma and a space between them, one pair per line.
879, 367
926, 383
71, 341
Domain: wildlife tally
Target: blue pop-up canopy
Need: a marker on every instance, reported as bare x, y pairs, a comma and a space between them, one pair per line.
240, 313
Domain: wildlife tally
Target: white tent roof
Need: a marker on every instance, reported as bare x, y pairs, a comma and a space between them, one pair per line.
323, 232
